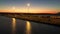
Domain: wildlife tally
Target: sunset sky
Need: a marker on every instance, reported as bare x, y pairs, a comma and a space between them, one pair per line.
36, 6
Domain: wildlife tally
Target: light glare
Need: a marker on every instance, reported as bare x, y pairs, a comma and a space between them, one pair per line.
28, 4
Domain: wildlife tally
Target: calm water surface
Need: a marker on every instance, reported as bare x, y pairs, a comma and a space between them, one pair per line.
25, 27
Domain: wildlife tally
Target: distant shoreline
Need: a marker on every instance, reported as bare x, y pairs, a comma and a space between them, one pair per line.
31, 13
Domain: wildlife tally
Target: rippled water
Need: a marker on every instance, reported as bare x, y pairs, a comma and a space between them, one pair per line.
12, 26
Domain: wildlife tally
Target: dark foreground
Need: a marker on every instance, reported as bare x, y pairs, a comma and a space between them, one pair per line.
37, 28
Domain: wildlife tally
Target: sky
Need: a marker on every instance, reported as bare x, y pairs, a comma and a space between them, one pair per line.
36, 6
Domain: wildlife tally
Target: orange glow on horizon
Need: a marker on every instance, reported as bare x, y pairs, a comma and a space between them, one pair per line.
31, 10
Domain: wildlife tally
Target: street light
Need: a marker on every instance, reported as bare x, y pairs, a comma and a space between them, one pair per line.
28, 6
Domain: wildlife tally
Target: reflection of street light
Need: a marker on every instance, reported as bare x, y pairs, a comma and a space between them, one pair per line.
28, 5
28, 27
13, 25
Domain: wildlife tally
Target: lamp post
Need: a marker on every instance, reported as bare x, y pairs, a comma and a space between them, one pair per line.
28, 6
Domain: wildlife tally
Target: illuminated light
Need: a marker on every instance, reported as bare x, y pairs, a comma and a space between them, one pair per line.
28, 4
28, 7
13, 25
28, 27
